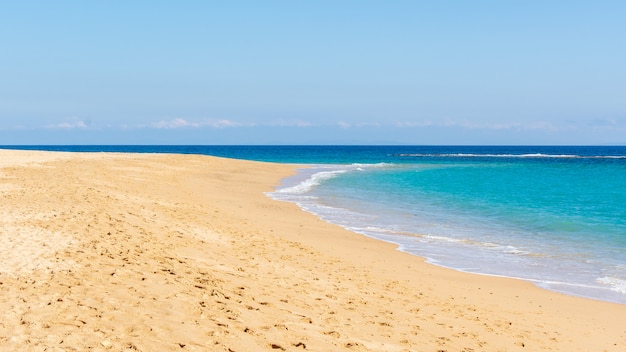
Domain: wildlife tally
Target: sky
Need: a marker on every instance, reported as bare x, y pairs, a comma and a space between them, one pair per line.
500, 72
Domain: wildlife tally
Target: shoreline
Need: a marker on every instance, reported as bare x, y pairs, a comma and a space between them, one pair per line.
298, 190
185, 252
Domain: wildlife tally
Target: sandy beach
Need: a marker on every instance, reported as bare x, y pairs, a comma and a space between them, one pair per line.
148, 252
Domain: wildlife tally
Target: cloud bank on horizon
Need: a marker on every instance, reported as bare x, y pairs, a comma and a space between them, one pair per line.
278, 72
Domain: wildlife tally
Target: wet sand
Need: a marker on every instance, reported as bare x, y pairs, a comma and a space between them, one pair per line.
115, 252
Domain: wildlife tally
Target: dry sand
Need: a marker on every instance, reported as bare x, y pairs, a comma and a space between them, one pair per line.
185, 253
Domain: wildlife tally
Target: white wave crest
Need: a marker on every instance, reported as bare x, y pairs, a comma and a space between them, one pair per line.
534, 155
617, 285
377, 165
308, 184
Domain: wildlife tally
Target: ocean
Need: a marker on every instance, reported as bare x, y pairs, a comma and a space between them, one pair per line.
551, 215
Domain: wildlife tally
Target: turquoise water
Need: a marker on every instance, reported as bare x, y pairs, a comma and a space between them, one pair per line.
555, 216
558, 220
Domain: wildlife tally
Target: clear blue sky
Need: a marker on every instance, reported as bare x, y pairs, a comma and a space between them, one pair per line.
309, 72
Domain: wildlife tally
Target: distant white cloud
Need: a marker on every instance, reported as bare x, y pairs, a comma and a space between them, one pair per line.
175, 123
182, 123
445, 123
225, 123
472, 125
291, 123
542, 125
300, 123
344, 124
608, 123
69, 125
424, 123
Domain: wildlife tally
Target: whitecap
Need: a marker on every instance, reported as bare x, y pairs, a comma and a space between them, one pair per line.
617, 285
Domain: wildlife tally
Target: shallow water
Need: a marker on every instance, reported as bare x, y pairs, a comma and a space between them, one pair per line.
558, 220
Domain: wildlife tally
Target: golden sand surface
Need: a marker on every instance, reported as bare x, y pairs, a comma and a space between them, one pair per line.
148, 252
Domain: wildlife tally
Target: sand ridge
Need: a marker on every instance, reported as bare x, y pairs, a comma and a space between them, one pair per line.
112, 252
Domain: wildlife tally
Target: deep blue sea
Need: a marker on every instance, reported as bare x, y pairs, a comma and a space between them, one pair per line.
552, 215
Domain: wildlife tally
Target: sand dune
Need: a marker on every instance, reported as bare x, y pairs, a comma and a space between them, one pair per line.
115, 252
